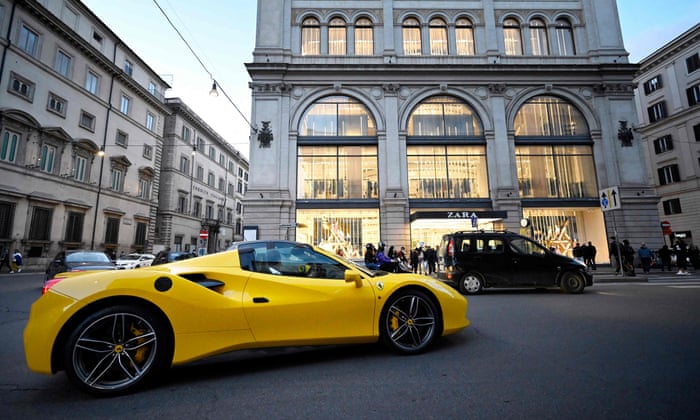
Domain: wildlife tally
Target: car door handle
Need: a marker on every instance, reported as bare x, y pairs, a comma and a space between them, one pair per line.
260, 300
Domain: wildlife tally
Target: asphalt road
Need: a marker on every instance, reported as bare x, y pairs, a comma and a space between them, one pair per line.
618, 351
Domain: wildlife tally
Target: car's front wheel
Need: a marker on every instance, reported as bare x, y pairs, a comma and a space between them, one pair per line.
410, 322
572, 283
117, 349
471, 283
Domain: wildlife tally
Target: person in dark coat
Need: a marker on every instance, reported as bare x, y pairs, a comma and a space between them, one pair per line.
628, 257
589, 253
665, 256
614, 250
681, 251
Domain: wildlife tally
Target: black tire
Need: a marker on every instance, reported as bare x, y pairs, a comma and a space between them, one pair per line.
471, 283
572, 282
116, 350
410, 322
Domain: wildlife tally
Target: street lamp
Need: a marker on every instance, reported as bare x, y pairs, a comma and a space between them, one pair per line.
101, 155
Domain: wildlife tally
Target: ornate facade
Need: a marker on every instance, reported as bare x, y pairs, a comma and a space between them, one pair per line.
397, 122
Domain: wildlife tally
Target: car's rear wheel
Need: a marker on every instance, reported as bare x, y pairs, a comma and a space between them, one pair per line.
116, 350
572, 282
410, 322
471, 283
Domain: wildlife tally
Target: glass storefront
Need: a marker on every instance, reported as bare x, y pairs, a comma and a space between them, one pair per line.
343, 231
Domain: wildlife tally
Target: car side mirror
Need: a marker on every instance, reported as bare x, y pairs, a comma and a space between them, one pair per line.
353, 276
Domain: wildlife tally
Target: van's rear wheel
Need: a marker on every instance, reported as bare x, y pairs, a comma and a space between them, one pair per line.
471, 283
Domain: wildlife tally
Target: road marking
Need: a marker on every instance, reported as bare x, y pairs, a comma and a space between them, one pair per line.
690, 286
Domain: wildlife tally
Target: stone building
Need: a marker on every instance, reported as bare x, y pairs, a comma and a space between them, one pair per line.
82, 121
668, 100
203, 179
397, 121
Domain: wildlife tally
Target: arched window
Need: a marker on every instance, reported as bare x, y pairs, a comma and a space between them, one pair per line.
512, 37
538, 37
443, 116
549, 116
411, 37
464, 34
310, 37
438, 37
337, 116
364, 37
564, 38
337, 36
342, 164
553, 153
446, 154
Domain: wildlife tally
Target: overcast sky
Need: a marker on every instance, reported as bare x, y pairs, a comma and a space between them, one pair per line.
222, 33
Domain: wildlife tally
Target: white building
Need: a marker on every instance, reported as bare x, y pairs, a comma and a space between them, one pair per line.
397, 121
203, 179
668, 100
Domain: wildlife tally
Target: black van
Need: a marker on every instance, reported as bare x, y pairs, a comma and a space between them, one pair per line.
475, 260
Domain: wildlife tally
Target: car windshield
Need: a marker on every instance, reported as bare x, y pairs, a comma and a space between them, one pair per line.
87, 257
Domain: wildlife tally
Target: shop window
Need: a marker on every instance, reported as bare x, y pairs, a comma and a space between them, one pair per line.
556, 171
337, 172
7, 213
341, 231
447, 172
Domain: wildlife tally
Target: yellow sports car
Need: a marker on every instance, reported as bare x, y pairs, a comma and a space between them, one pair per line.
114, 331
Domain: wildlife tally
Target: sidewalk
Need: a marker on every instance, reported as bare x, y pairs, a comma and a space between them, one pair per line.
606, 274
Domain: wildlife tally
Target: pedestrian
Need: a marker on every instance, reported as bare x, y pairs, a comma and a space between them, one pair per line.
431, 259
17, 262
589, 253
578, 252
665, 257
385, 263
694, 256
371, 257
628, 258
5, 259
417, 258
614, 251
681, 251
645, 256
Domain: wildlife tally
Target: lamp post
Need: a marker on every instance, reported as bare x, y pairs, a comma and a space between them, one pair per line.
101, 154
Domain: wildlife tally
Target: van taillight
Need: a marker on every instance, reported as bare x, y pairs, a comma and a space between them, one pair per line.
451, 248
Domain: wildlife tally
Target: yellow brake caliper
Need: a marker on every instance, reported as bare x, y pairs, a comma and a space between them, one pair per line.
394, 321
141, 351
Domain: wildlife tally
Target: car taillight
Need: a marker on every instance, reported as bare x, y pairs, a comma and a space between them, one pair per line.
451, 247
49, 284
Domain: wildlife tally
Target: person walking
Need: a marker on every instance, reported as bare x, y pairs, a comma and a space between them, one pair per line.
614, 251
589, 253
5, 259
645, 256
578, 252
681, 251
665, 256
17, 262
628, 258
